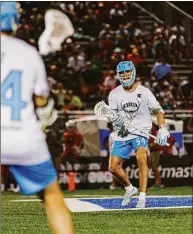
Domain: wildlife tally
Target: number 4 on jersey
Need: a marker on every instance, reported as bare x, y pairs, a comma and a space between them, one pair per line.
13, 83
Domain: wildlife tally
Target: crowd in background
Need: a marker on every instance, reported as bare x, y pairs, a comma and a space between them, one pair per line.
106, 33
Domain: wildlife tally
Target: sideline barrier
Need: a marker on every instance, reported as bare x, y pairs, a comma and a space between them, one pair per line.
92, 172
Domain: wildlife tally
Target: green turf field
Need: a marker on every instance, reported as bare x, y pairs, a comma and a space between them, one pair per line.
29, 217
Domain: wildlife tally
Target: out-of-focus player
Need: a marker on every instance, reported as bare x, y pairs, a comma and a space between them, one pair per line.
23, 146
134, 104
154, 158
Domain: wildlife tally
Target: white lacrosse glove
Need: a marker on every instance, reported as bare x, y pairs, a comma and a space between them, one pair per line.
102, 109
162, 136
47, 114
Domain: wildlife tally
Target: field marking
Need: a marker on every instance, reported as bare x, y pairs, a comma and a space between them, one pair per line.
26, 200
164, 196
97, 198
76, 205
135, 209
90, 204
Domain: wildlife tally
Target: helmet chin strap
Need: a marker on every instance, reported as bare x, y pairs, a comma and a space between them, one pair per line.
128, 87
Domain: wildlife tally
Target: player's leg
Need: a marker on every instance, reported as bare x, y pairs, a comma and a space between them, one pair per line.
42, 177
122, 150
143, 168
115, 167
143, 175
155, 168
140, 146
59, 216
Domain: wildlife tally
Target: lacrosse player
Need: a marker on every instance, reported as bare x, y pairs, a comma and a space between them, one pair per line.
134, 104
23, 145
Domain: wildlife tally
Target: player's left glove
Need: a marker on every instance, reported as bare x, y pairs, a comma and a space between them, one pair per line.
162, 136
120, 127
122, 131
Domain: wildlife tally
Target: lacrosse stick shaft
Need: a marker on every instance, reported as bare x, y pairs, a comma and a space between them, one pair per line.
148, 134
102, 109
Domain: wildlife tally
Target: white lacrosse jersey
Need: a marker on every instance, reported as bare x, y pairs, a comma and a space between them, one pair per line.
22, 75
135, 107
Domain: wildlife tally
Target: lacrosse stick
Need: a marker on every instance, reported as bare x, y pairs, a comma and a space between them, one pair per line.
102, 109
58, 27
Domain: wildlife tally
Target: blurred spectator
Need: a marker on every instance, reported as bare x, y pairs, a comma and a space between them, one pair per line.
137, 30
96, 62
160, 47
116, 57
163, 103
139, 43
72, 102
106, 30
104, 34
59, 94
161, 70
53, 137
122, 36
177, 44
90, 80
115, 184
68, 47
110, 82
75, 62
135, 57
92, 49
154, 158
91, 19
8, 182
173, 148
116, 16
73, 142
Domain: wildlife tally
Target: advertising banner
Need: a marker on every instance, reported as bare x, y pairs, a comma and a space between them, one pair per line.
92, 172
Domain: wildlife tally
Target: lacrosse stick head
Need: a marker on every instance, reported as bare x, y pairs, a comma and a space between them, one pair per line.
58, 27
102, 109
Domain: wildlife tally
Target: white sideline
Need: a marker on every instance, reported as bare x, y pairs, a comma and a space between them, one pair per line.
77, 205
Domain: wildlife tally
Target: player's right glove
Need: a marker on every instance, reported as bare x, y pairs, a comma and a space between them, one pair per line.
120, 127
47, 114
162, 136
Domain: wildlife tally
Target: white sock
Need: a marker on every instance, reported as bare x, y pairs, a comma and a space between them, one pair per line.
129, 188
142, 195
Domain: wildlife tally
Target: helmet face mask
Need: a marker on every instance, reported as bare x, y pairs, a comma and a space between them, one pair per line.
126, 76
126, 73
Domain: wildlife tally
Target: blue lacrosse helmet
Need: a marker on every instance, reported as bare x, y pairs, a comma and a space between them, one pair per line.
122, 69
9, 16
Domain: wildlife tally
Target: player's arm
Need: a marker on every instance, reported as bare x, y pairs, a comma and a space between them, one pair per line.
156, 109
43, 102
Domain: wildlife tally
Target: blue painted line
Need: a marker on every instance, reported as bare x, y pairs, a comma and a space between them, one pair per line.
115, 203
